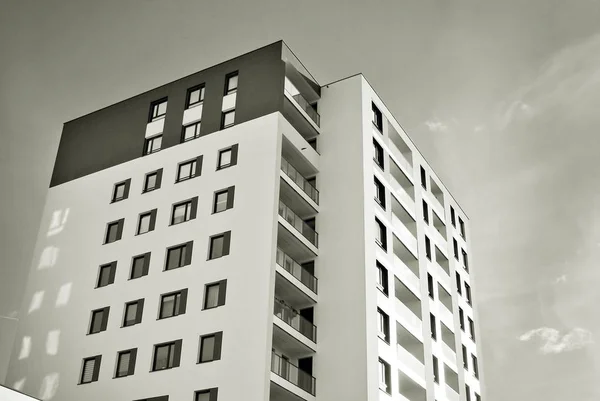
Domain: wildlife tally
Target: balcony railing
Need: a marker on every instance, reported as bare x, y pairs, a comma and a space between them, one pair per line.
290, 372
304, 105
299, 224
296, 270
302, 182
295, 320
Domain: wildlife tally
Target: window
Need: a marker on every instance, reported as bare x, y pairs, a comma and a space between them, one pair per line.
465, 259
126, 362
227, 157
139, 266
458, 284
179, 256
468, 392
173, 304
425, 212
219, 245
461, 318
423, 178
167, 355
158, 110
133, 312
465, 357
114, 231
206, 395
189, 169
377, 117
433, 325
152, 180
384, 376
452, 216
90, 369
436, 370
227, 119
214, 294
475, 366
231, 83
153, 144
380, 234
472, 328
146, 222
461, 224
99, 320
106, 274
455, 246
184, 211
378, 153
223, 199
428, 247
210, 347
161, 398
430, 286
121, 190
190, 132
383, 325
468, 293
382, 278
477, 397
379, 193
195, 96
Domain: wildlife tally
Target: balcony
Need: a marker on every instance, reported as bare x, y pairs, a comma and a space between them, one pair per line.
298, 109
300, 181
295, 321
298, 224
296, 270
284, 369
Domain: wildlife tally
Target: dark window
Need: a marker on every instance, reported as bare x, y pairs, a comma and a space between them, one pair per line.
153, 144
380, 234
158, 110
210, 347
423, 178
452, 216
458, 283
190, 132
475, 366
436, 373
152, 180
223, 200
146, 222
382, 278
227, 119
425, 212
206, 395
184, 211
106, 274
227, 157
219, 245
477, 397
99, 320
428, 247
472, 329
379, 193
114, 231
378, 153
214, 294
231, 83
195, 95
121, 190
461, 224
377, 117
167, 355
468, 293
383, 325
430, 286
465, 259
139, 266
126, 363
173, 304
384, 376
461, 318
455, 247
433, 326
468, 392
133, 312
90, 369
178, 256
189, 169
465, 357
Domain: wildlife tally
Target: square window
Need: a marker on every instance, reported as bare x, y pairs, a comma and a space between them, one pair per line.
186, 170
133, 313
231, 83
223, 200
146, 222
377, 153
219, 245
126, 363
227, 157
184, 211
106, 274
114, 231
90, 369
214, 294
121, 191
206, 395
139, 266
210, 347
382, 278
228, 119
99, 320
158, 110
153, 144
190, 132
166, 356
380, 234
379, 193
179, 256
173, 304
152, 180
377, 117
195, 96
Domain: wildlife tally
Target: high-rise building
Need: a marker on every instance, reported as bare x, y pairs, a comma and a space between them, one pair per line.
244, 233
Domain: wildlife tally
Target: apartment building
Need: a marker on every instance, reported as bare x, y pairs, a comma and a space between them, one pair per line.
246, 233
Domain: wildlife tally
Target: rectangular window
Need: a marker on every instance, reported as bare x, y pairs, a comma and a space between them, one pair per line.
166, 356
184, 211
477, 397
126, 363
98, 320
428, 247
378, 153
461, 318
384, 376
195, 96
227, 119
90, 369
452, 216
214, 294
455, 247
152, 180
433, 325
206, 395
231, 83
430, 286
139, 266
173, 304
382, 278
472, 329
223, 200
189, 169
210, 347
190, 132
461, 224
106, 274
465, 357
227, 157
380, 234
379, 193
146, 222
219, 245
465, 259
158, 110
458, 284
133, 312
121, 190
377, 117
425, 212
179, 256
436, 370
383, 325
475, 366
423, 177
114, 231
467, 392
468, 293
153, 144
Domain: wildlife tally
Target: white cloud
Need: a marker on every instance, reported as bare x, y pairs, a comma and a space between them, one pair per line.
436, 126
553, 343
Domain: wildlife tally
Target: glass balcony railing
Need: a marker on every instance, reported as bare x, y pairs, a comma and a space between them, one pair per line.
295, 320
308, 109
282, 367
307, 232
302, 182
296, 270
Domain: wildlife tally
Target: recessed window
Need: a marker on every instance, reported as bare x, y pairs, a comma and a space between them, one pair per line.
214, 294
190, 132
430, 286
425, 212
382, 278
173, 304
468, 293
106, 274
146, 222
423, 177
167, 355
99, 320
433, 326
133, 312
139, 266
210, 347
179, 256
465, 259
158, 110
427, 247
477, 397
227, 157
206, 395
452, 216
195, 96
126, 363
184, 211
152, 180
219, 245
223, 200
436, 370
461, 224
227, 119
114, 231
90, 369
379, 193
472, 329
465, 358
458, 283
153, 144
468, 392
189, 169
380, 234
378, 153
475, 366
455, 248
231, 83
383, 325
461, 318
121, 190
384, 376
377, 117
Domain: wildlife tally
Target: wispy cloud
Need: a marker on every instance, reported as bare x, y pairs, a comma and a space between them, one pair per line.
552, 342
436, 126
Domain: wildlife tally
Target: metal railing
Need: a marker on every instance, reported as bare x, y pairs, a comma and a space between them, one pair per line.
296, 270
290, 372
299, 224
295, 320
308, 109
299, 179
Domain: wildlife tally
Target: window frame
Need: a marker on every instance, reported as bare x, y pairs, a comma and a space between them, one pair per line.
151, 215
232, 159
461, 319
428, 254
185, 255
149, 141
197, 125
436, 370
126, 184
433, 326
379, 193
217, 347
202, 88
157, 182
458, 283
383, 325
130, 366
212, 393
221, 294
139, 312
378, 153
462, 230
452, 216
377, 117
382, 272
225, 247
430, 286
179, 303
112, 266
195, 169
190, 210
423, 175
382, 232
468, 295
224, 115
119, 233
155, 105
230, 195
425, 212
228, 77
96, 369
174, 348
103, 323
385, 371
145, 258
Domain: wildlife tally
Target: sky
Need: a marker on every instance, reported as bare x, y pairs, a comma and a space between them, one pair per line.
500, 96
